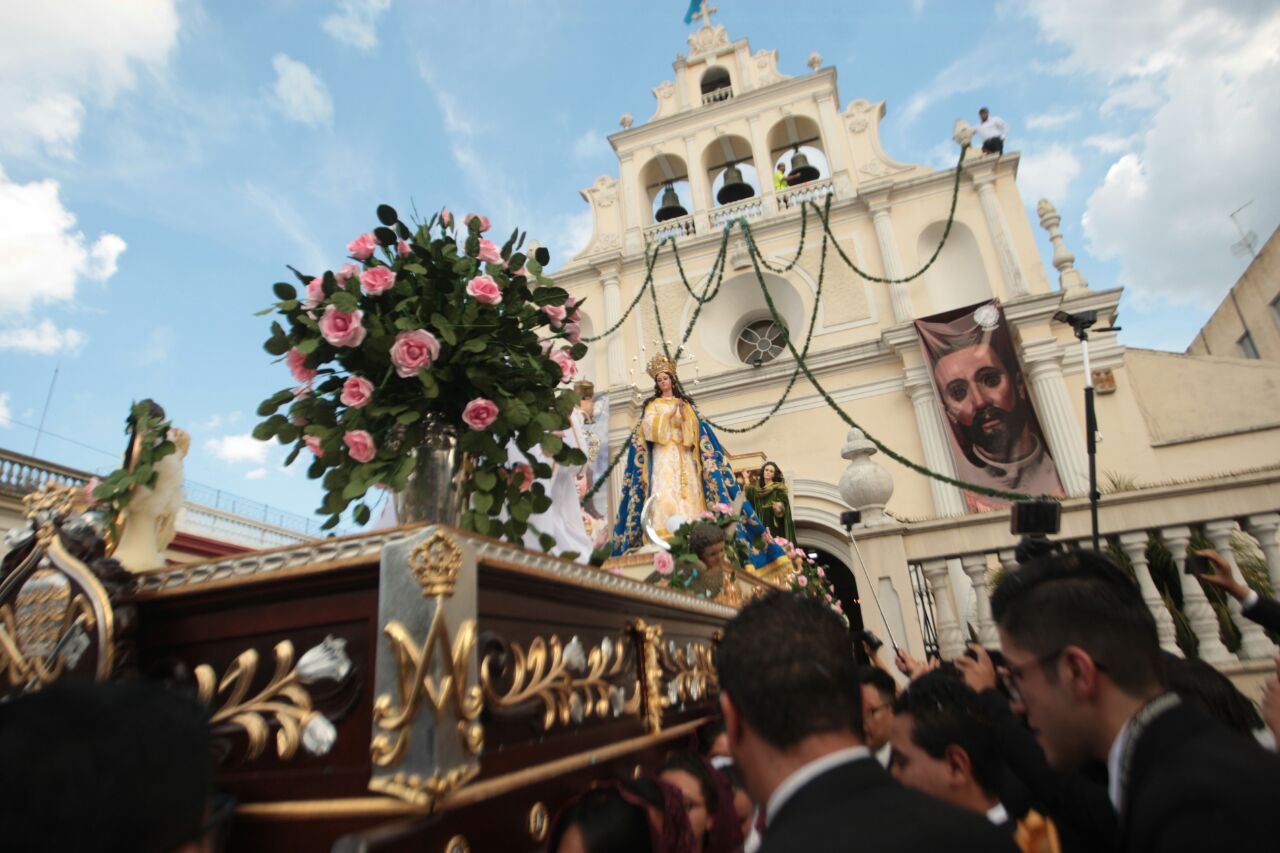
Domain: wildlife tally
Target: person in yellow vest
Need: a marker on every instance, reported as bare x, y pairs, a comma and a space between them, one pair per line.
945, 745
780, 177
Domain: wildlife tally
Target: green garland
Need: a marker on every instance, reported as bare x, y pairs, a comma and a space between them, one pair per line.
116, 490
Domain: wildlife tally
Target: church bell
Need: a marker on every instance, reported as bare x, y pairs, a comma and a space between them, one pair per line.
671, 208
734, 189
801, 172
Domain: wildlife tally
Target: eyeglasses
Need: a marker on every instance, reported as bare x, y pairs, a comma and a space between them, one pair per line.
875, 709
1017, 673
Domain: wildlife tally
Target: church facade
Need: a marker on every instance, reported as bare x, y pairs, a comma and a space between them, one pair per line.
730, 118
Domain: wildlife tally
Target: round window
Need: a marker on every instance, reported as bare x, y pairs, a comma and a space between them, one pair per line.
761, 342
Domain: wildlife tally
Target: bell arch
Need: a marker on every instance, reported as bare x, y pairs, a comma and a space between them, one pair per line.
792, 135
724, 154
661, 172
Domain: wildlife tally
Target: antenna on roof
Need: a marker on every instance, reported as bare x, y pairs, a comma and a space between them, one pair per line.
1248, 242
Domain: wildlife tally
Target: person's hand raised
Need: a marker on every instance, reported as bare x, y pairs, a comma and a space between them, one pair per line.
1222, 576
979, 673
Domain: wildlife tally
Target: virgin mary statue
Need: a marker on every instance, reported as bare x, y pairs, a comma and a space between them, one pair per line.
676, 470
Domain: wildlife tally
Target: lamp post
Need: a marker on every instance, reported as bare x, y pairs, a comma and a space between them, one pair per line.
1081, 323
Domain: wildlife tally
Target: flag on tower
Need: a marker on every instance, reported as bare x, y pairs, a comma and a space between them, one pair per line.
693, 10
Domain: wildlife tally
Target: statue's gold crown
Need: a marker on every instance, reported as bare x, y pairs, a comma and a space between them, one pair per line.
661, 364
584, 389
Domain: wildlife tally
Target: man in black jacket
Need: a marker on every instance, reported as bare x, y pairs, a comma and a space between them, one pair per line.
792, 713
1081, 648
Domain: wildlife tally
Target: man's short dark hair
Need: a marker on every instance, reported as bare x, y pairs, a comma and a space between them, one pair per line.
103, 766
945, 711
787, 665
879, 679
1081, 598
703, 536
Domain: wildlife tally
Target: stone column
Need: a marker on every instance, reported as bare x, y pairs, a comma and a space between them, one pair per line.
1134, 546
947, 500
975, 566
635, 216
763, 162
1057, 415
1263, 528
612, 314
950, 639
1201, 615
898, 294
1254, 644
833, 140
699, 187
1014, 281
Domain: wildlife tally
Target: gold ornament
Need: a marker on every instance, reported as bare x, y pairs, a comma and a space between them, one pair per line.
661, 364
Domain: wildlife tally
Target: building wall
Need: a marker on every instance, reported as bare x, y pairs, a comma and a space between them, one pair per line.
1250, 306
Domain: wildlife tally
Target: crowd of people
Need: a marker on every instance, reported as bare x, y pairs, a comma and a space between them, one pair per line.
1083, 735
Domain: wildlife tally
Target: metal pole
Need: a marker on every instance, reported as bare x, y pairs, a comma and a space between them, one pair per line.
48, 398
1091, 436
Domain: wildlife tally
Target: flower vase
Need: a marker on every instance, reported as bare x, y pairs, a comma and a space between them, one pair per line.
433, 492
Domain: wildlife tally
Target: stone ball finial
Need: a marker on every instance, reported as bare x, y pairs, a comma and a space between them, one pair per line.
864, 485
962, 132
626, 121
1048, 213
815, 61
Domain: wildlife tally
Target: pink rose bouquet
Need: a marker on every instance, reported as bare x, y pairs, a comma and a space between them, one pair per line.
428, 326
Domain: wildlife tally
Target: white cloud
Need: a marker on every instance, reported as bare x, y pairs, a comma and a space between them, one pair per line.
917, 7
42, 257
1202, 76
1110, 143
42, 339
1047, 173
53, 59
355, 22
6, 417
255, 474
238, 448
290, 223
967, 74
589, 146
1045, 121
158, 346
299, 94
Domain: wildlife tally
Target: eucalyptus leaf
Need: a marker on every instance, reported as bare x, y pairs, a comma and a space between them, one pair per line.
387, 214
284, 291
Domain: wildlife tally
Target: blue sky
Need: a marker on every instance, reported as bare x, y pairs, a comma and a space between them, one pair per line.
163, 160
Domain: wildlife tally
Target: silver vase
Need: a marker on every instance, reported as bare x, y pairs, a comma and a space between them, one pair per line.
433, 492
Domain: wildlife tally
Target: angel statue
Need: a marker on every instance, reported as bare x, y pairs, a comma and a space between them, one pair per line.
676, 471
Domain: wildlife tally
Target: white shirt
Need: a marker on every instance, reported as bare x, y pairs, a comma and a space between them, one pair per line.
884, 754
1250, 600
807, 774
992, 128
998, 815
1113, 764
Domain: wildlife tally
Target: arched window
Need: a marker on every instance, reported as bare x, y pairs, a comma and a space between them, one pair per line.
716, 85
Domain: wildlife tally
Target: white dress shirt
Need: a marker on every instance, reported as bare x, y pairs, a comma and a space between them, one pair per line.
884, 754
998, 814
807, 774
1113, 764
992, 128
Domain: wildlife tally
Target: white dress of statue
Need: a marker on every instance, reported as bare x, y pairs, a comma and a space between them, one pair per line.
149, 522
564, 519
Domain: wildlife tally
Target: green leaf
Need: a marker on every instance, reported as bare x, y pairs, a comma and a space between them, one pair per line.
482, 502
541, 503
485, 480
275, 401
552, 444
385, 236
445, 328
476, 344
481, 523
307, 346
345, 301
284, 291
330, 523
520, 510
550, 296
361, 514
387, 214
431, 390
354, 489
264, 311
546, 541
408, 417
578, 351
516, 412
264, 431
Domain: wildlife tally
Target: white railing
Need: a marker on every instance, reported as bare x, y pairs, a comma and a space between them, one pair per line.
1239, 520
751, 208
717, 96
682, 227
225, 527
794, 197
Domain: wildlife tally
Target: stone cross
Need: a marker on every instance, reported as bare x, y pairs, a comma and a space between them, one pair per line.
705, 13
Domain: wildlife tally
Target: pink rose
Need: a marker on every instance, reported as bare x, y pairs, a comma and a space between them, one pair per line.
571, 305
480, 413
483, 220
300, 371
402, 248
784, 544
723, 508
313, 444
524, 476
315, 293
663, 563
93, 483
413, 351
706, 515
344, 274
489, 252
802, 580
555, 313
359, 444
573, 332
568, 367
485, 290
342, 329
377, 280
446, 218
356, 392
821, 573
362, 247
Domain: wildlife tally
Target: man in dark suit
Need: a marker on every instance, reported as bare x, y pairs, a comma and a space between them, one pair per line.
792, 712
1081, 648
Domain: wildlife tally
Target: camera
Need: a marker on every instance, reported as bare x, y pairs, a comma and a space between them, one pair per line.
873, 642
1035, 518
1197, 565
849, 518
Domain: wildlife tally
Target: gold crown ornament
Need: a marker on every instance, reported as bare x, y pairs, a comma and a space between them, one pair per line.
584, 389
661, 364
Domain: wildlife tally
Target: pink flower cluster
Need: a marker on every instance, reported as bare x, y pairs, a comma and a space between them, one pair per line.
485, 290
377, 280
359, 445
664, 563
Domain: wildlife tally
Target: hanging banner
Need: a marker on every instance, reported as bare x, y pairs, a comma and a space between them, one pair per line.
994, 434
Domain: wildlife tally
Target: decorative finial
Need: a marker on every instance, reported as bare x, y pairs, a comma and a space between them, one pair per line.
660, 364
815, 61
1064, 261
626, 121
962, 133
